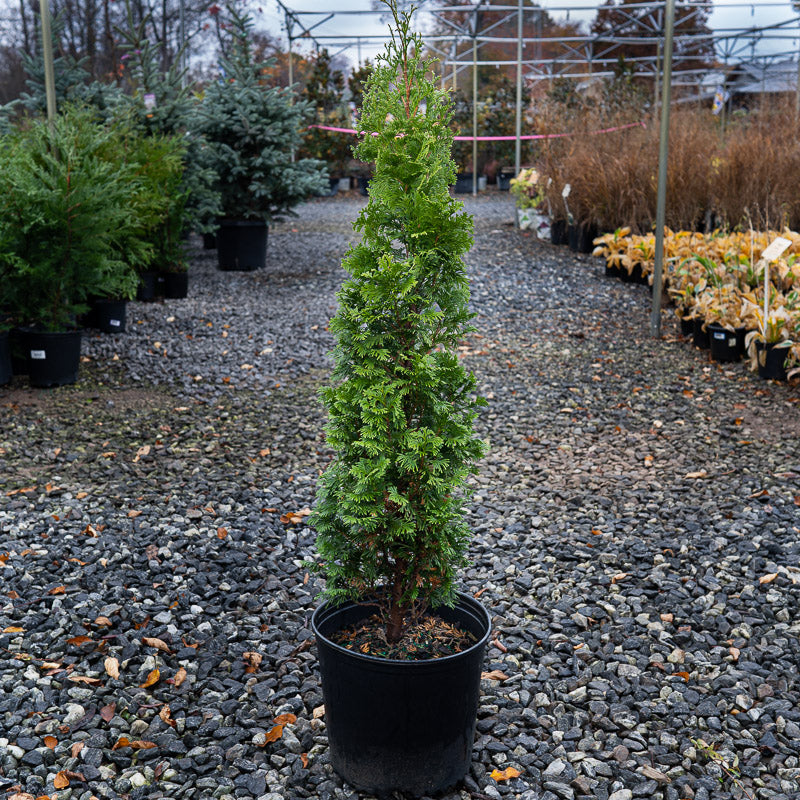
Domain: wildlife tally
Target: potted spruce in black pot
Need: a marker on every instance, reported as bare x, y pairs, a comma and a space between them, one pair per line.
250, 130
64, 209
400, 649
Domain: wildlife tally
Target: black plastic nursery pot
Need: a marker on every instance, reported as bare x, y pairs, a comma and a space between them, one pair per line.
700, 337
723, 343
558, 231
209, 241
612, 271
110, 315
176, 285
504, 180
53, 357
363, 185
148, 287
400, 725
6, 372
463, 183
242, 244
687, 326
770, 361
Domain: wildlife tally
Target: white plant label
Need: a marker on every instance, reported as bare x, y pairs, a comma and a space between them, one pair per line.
775, 248
567, 189
149, 101
38, 355
114, 322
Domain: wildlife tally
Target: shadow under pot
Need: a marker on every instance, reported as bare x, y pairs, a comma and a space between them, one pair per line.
770, 361
396, 725
53, 358
242, 244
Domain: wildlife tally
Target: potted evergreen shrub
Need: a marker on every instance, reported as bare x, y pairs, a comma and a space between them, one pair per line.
64, 210
251, 130
400, 650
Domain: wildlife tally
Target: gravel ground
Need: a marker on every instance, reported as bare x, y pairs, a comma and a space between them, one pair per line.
637, 540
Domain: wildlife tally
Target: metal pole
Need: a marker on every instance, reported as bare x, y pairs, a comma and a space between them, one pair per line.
797, 93
657, 85
182, 35
663, 153
291, 66
518, 120
47, 53
474, 115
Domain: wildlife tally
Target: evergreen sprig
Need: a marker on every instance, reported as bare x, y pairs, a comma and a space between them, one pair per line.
390, 507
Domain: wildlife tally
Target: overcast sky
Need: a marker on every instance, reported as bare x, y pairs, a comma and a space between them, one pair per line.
727, 14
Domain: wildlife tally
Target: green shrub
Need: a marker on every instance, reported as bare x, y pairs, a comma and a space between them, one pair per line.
67, 220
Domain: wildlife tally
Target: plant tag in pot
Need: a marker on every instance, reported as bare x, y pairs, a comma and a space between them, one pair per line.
775, 248
114, 322
566, 190
38, 355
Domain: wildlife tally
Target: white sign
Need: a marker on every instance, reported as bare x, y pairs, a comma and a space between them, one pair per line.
38, 355
114, 322
565, 191
149, 101
775, 248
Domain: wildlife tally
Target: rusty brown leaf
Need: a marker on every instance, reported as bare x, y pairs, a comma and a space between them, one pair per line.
61, 781
84, 679
304, 760
506, 774
58, 590
102, 621
274, 734
285, 719
79, 640
50, 741
141, 744
151, 679
253, 661
107, 712
111, 665
768, 578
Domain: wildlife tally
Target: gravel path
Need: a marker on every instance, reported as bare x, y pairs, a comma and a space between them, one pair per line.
637, 540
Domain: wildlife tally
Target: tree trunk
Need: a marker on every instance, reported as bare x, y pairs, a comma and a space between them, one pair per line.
397, 609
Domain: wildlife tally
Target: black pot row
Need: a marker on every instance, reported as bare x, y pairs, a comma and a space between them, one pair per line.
579, 236
729, 346
171, 285
48, 359
723, 344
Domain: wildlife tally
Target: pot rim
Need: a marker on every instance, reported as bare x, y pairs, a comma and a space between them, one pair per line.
463, 599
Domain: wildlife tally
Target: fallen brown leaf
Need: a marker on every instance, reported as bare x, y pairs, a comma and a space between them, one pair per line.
166, 716
50, 741
506, 774
107, 712
151, 679
304, 760
76, 749
494, 675
111, 666
253, 661
768, 578
159, 644
180, 677
274, 734
285, 719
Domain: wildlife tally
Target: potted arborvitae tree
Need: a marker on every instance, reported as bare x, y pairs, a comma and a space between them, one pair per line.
400, 650
251, 130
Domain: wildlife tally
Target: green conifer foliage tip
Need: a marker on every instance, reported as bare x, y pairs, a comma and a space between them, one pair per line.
390, 507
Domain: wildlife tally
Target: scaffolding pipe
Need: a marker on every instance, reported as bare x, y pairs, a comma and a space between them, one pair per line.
518, 120
475, 113
47, 54
663, 154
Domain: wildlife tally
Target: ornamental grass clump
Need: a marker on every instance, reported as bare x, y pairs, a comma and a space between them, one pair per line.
390, 506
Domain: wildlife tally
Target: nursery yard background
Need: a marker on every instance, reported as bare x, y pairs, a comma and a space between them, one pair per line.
636, 542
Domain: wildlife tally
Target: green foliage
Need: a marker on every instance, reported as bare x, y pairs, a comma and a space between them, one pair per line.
158, 199
160, 104
66, 220
390, 507
251, 130
324, 93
